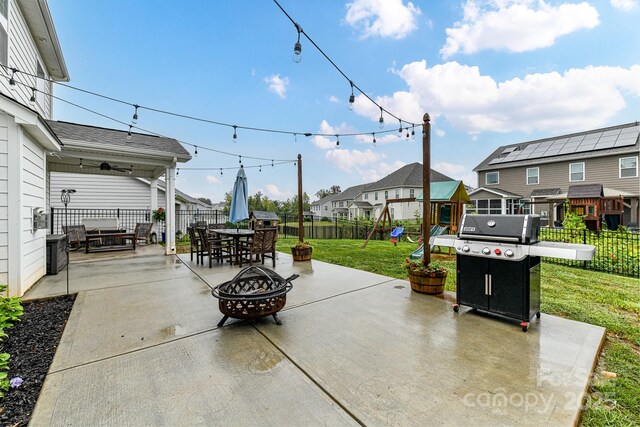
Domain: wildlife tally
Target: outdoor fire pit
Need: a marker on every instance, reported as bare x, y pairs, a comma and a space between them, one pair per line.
254, 292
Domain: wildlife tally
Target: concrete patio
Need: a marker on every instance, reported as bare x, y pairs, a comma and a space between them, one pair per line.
142, 348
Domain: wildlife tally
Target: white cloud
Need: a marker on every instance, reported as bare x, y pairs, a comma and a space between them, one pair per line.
448, 168
334, 99
624, 5
440, 133
351, 160
515, 25
380, 170
272, 192
402, 104
212, 179
575, 99
277, 85
384, 18
386, 138
325, 142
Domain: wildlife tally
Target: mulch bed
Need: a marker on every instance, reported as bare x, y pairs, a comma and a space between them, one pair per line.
32, 342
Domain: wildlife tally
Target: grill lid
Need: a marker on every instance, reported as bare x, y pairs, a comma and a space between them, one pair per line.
501, 228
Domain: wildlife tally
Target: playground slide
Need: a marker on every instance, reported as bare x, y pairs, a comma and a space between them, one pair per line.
418, 253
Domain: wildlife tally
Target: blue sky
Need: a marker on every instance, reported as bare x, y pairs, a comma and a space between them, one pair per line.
488, 72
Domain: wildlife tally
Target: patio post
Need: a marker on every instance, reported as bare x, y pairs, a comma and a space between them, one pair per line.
426, 187
300, 222
170, 216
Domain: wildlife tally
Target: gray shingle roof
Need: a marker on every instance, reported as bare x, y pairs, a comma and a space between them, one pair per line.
325, 199
545, 192
85, 133
362, 204
484, 165
496, 190
350, 193
407, 176
264, 215
585, 190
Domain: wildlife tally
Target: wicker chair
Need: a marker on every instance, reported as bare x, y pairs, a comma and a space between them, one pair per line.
214, 248
76, 234
143, 232
263, 243
196, 244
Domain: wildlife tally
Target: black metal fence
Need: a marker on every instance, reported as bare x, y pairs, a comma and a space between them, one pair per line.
616, 252
128, 218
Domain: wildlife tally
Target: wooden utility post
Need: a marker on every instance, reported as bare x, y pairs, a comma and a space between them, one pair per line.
300, 222
426, 187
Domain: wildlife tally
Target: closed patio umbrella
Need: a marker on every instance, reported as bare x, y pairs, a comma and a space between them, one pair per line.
239, 198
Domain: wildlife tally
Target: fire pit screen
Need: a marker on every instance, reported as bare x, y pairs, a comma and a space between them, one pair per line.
254, 292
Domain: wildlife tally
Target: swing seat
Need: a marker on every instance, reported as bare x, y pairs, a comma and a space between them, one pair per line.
397, 232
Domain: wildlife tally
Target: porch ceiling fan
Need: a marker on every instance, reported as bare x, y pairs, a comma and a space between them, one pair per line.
106, 166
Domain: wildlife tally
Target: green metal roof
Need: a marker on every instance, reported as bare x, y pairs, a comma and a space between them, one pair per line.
444, 191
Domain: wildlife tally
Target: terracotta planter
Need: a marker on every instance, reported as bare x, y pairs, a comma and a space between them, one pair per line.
301, 254
431, 282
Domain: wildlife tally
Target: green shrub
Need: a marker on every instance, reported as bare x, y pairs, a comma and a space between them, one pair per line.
10, 312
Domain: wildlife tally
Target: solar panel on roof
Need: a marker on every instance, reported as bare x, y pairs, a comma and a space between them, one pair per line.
612, 132
496, 160
626, 141
577, 139
567, 150
584, 147
509, 150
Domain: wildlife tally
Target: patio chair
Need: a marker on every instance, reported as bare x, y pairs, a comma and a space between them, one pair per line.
263, 243
76, 234
214, 248
196, 244
143, 232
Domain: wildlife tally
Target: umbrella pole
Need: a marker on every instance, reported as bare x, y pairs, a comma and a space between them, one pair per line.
300, 222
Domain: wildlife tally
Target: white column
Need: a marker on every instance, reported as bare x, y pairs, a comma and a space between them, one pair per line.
503, 206
153, 185
14, 208
170, 217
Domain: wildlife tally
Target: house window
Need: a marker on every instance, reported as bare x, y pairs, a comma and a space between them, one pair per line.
492, 178
386, 194
397, 193
40, 85
366, 196
576, 172
341, 204
4, 30
326, 208
392, 213
375, 195
524, 207
533, 176
412, 193
628, 167
591, 210
490, 206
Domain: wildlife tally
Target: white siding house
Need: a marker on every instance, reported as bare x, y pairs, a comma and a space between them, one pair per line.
25, 137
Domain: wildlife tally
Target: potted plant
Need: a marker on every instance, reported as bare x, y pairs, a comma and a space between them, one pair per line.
426, 278
160, 215
302, 251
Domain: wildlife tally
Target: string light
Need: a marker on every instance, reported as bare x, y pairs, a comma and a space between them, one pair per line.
33, 95
407, 135
352, 98
337, 140
196, 152
297, 47
131, 170
240, 159
129, 133
220, 171
374, 137
295, 137
413, 133
235, 135
400, 130
81, 165
381, 121
271, 163
134, 119
260, 170
12, 80
177, 171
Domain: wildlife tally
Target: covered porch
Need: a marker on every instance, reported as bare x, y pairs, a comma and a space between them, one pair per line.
91, 150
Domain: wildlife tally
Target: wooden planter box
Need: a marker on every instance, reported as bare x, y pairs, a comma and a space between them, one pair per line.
431, 283
301, 254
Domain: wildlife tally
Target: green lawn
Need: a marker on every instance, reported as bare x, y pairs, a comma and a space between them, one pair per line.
587, 296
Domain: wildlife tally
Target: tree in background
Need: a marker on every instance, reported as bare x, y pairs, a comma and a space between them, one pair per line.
260, 202
205, 200
322, 193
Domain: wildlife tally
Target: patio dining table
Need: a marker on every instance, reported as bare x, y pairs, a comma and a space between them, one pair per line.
236, 234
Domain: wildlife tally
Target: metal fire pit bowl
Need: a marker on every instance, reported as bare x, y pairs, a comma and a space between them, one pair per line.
254, 292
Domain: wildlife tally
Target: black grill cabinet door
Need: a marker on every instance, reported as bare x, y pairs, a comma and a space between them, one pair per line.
508, 283
472, 272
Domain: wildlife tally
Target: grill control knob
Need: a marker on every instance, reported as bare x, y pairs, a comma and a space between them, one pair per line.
486, 251
466, 248
508, 253
497, 251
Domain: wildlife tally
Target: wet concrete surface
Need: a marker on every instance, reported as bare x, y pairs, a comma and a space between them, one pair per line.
142, 348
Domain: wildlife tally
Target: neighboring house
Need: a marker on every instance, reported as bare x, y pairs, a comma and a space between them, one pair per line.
404, 183
28, 42
538, 176
340, 203
323, 207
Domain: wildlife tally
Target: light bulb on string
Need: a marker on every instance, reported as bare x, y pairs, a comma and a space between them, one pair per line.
81, 165
337, 140
32, 100
177, 171
407, 136
297, 48
400, 129
352, 98
240, 159
413, 133
131, 170
129, 133
220, 171
12, 80
271, 163
235, 134
195, 153
295, 137
260, 170
381, 121
374, 137
134, 119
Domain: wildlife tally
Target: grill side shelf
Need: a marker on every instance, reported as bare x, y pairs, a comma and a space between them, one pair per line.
571, 251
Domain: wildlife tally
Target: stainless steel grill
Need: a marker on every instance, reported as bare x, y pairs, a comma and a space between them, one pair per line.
498, 263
